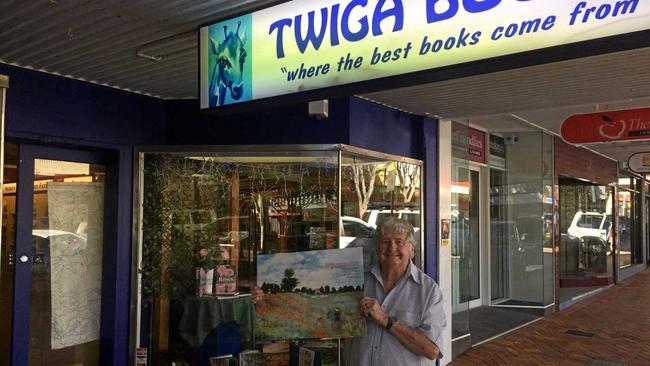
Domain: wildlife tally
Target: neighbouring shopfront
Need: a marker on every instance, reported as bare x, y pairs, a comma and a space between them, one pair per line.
502, 229
586, 187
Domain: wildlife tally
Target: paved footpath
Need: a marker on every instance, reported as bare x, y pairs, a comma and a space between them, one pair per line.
613, 328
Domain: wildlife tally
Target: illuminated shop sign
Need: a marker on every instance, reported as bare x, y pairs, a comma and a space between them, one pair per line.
304, 45
631, 124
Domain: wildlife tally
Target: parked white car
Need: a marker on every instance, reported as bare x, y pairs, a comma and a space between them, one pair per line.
354, 228
591, 224
375, 217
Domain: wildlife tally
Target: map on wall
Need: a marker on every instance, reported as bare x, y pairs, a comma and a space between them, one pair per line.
76, 215
313, 294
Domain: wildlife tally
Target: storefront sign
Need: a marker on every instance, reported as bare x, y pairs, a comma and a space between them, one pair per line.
497, 150
497, 146
632, 124
471, 139
304, 45
476, 145
639, 162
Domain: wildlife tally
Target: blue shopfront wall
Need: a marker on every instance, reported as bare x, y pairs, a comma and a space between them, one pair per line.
55, 111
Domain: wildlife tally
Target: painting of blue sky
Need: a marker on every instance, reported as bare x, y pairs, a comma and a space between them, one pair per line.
333, 268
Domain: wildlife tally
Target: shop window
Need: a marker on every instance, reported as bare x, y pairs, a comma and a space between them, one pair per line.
372, 190
586, 239
219, 211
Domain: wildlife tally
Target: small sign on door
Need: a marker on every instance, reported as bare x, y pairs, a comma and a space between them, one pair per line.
140, 357
445, 228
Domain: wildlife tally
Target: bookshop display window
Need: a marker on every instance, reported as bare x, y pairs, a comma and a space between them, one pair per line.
294, 223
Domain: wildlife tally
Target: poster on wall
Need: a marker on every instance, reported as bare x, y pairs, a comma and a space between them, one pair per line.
639, 162
304, 45
623, 125
76, 216
445, 230
312, 294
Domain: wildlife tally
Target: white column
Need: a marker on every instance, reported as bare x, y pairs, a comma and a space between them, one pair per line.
444, 201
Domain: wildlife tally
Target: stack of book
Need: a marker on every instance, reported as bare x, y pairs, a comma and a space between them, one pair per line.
252, 358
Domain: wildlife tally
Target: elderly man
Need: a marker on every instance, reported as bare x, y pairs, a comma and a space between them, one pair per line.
403, 306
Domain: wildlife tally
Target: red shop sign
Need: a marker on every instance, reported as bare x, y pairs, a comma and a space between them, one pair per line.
476, 144
631, 124
473, 139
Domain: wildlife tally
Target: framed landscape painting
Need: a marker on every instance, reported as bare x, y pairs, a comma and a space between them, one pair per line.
312, 294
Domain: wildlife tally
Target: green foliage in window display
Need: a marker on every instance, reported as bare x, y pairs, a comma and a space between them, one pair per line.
182, 199
186, 214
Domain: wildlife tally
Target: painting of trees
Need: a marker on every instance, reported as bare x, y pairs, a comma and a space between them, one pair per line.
289, 282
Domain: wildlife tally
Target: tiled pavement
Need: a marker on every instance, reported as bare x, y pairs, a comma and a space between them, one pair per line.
618, 320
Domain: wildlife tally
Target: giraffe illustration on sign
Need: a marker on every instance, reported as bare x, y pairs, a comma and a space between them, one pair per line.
228, 72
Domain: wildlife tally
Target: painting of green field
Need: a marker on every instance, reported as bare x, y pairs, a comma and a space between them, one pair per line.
310, 295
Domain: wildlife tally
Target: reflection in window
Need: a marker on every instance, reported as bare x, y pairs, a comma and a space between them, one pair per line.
585, 232
373, 190
629, 219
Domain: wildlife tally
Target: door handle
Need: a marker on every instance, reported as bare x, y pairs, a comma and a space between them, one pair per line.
24, 259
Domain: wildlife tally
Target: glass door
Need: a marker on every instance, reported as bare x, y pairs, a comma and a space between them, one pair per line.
474, 258
502, 232
59, 231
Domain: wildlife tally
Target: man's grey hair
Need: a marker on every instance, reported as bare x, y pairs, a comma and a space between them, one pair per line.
395, 225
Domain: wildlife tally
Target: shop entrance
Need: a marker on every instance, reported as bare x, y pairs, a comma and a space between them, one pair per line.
52, 255
468, 253
468, 249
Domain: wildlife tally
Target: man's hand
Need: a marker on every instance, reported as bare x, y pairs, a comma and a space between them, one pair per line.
411, 338
370, 308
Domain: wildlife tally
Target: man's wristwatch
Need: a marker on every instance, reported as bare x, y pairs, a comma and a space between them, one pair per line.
391, 321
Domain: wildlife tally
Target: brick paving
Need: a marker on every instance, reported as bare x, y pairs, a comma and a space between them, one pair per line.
618, 318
